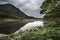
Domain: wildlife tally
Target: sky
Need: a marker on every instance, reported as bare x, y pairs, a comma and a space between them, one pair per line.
29, 7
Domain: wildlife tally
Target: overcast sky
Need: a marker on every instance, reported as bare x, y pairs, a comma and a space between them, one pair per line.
29, 7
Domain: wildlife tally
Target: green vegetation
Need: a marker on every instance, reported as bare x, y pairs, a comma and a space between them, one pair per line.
51, 29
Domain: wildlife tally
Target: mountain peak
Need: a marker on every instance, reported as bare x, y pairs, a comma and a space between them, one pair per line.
12, 10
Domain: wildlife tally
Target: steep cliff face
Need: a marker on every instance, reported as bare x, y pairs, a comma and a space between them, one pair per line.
12, 10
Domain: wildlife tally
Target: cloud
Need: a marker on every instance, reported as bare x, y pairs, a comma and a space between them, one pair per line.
24, 1
32, 8
3, 2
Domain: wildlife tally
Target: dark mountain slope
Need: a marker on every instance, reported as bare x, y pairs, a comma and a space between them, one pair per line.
12, 10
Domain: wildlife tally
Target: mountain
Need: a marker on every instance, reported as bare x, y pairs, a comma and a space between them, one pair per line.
12, 19
13, 11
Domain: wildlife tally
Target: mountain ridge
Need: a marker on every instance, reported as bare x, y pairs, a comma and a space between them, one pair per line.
12, 10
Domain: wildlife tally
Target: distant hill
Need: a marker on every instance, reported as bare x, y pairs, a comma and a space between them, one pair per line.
13, 11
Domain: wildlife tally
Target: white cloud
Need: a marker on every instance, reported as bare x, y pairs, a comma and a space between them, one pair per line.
22, 1
32, 6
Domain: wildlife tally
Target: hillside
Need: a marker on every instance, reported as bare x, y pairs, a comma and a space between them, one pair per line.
13, 11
